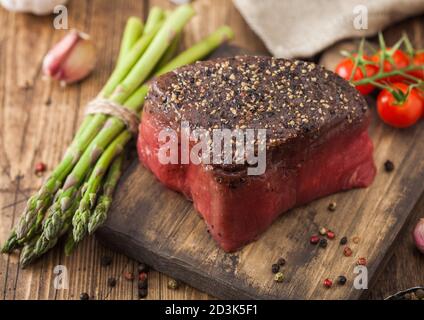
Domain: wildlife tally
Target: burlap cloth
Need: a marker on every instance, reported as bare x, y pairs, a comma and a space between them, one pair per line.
302, 28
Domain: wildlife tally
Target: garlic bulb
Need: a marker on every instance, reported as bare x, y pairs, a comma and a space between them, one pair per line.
38, 7
71, 59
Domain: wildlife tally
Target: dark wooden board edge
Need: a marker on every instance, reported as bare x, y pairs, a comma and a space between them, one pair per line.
390, 251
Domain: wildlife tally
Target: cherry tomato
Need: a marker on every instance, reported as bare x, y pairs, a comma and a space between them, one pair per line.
399, 114
345, 67
400, 60
418, 61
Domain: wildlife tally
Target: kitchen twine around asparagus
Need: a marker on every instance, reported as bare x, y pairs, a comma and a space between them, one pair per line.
105, 106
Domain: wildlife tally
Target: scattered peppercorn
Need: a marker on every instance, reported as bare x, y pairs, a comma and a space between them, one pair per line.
341, 280
347, 251
343, 240
323, 243
275, 268
106, 261
129, 276
355, 240
314, 240
143, 284
111, 282
322, 231
173, 284
332, 206
84, 296
389, 166
279, 277
281, 262
142, 293
142, 267
40, 167
328, 283
330, 235
142, 276
362, 261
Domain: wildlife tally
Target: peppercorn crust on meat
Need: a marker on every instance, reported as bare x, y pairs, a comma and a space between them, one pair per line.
317, 141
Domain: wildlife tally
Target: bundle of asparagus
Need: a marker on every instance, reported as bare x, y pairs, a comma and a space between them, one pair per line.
76, 197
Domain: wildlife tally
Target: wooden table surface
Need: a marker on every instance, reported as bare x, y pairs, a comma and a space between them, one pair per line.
38, 121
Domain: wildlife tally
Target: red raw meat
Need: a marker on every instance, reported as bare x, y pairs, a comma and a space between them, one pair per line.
328, 153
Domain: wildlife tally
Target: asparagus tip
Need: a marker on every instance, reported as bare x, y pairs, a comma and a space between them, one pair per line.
80, 223
10, 244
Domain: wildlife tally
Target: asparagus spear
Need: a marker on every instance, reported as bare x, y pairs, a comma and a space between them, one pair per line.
40, 245
170, 53
114, 126
172, 26
133, 31
100, 212
81, 218
31, 219
11, 243
130, 60
156, 14
37, 205
27, 253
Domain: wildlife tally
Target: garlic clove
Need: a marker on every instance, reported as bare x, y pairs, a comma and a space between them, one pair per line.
418, 235
38, 7
71, 59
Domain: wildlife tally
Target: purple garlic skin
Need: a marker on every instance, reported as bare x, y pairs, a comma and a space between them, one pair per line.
72, 59
418, 235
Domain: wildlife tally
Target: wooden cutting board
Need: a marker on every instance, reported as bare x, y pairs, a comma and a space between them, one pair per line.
160, 227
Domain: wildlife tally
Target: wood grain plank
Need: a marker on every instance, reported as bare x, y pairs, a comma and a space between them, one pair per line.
28, 122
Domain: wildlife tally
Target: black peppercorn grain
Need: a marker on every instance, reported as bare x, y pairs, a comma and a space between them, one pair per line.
341, 280
389, 166
275, 268
323, 243
343, 240
84, 296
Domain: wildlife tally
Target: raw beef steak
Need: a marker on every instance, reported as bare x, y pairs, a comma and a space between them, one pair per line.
317, 141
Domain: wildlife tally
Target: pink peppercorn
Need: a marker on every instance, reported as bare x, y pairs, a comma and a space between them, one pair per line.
330, 234
347, 251
328, 283
314, 239
40, 167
